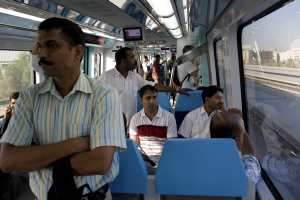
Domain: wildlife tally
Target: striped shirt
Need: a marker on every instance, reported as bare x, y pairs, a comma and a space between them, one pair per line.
252, 167
43, 116
127, 88
152, 134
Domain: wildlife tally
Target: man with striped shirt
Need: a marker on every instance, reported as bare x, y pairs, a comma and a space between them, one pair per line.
67, 115
152, 125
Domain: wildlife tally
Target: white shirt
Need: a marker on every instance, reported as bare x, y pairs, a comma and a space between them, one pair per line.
127, 88
153, 145
183, 70
196, 124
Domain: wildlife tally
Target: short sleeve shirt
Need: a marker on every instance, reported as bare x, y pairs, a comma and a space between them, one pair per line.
196, 124
126, 87
43, 115
153, 133
183, 70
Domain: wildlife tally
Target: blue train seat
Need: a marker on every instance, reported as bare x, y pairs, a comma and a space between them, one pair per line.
202, 168
132, 178
186, 103
163, 99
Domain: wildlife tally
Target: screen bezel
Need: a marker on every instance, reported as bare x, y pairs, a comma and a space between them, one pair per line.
126, 38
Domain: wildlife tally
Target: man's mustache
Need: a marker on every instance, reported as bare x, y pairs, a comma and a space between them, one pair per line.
44, 61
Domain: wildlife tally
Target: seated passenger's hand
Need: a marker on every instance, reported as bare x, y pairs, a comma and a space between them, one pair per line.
8, 111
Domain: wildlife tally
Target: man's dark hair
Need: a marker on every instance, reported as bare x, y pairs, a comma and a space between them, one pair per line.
187, 48
226, 124
71, 30
121, 54
14, 95
157, 56
145, 88
210, 91
220, 127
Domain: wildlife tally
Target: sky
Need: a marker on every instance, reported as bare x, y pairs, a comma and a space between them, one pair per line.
277, 30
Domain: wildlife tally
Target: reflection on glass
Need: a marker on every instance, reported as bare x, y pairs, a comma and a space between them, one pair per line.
220, 66
271, 57
15, 73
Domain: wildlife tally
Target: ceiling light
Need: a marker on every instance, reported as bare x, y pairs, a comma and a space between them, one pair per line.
150, 23
184, 3
170, 22
119, 3
22, 15
162, 8
185, 15
98, 33
179, 36
176, 32
96, 23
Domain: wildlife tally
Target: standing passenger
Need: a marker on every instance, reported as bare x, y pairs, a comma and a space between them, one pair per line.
187, 72
156, 70
127, 82
196, 123
69, 116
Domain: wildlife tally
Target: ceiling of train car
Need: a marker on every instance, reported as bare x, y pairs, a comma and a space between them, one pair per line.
105, 18
103, 10
95, 16
111, 14
205, 12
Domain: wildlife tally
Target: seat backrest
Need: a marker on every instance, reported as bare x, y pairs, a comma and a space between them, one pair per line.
163, 99
186, 103
132, 177
189, 102
201, 167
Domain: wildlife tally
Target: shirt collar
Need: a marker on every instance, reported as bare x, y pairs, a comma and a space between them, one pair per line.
82, 85
203, 111
118, 74
158, 114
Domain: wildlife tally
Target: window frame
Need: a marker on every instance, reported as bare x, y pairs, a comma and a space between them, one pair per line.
216, 40
275, 192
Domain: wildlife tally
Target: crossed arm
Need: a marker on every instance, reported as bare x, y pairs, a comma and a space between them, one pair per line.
83, 160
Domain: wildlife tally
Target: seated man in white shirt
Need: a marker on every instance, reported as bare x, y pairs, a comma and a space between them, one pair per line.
152, 125
196, 123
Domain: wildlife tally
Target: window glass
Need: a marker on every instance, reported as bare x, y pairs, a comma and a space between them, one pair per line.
271, 61
97, 64
220, 66
15, 74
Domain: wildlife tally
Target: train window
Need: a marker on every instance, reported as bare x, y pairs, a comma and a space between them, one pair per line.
15, 74
271, 65
220, 66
